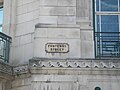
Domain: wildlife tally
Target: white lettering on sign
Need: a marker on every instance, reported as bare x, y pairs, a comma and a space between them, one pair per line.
57, 48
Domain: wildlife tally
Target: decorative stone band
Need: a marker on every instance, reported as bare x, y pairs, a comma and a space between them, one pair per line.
66, 63
75, 63
22, 69
5, 68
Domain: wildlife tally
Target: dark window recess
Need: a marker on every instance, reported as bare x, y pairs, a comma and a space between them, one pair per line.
97, 88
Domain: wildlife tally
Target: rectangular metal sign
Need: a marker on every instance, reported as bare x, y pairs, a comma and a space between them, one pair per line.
57, 48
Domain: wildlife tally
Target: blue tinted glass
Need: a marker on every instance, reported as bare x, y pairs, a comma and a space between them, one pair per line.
98, 23
97, 5
109, 5
109, 23
119, 5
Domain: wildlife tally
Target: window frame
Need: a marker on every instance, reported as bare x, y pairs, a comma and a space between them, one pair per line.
99, 12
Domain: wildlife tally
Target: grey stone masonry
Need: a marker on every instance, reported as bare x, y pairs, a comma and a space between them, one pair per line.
57, 12
95, 66
65, 74
5, 70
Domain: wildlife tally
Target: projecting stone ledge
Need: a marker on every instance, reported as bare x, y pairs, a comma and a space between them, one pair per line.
5, 70
75, 63
69, 66
75, 66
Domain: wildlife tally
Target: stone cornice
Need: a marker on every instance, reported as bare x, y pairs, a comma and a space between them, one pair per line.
75, 63
22, 69
69, 66
74, 66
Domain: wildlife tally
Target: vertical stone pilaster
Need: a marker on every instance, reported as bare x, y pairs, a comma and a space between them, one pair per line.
82, 9
57, 12
84, 12
9, 19
6, 17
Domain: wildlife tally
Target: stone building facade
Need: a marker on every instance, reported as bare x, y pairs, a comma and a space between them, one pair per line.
53, 47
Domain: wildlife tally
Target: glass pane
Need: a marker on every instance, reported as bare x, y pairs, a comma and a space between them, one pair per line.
98, 23
119, 5
109, 5
109, 23
97, 5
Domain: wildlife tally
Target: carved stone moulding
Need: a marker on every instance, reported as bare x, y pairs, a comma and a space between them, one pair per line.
20, 69
5, 68
75, 63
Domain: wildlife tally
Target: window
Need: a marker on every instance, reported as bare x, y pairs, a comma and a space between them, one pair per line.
107, 28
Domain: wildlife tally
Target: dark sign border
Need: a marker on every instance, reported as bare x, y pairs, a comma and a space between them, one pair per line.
56, 43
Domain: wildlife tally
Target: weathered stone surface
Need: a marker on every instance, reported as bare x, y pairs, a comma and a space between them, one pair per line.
67, 20
56, 11
56, 35
75, 63
66, 74
5, 70
20, 69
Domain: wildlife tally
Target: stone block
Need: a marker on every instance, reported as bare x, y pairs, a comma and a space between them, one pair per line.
25, 28
74, 48
55, 78
16, 41
48, 19
27, 16
25, 39
28, 51
27, 8
18, 55
66, 33
57, 11
87, 49
58, 33
86, 35
21, 18
28, 1
33, 6
55, 86
22, 54
71, 11
18, 82
19, 2
33, 15
28, 87
48, 2
53, 10
67, 20
21, 9
41, 33
66, 2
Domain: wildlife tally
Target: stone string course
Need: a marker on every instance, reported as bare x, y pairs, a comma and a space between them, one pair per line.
57, 63
75, 63
68, 63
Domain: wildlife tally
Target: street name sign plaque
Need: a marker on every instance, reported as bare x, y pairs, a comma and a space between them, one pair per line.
57, 47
